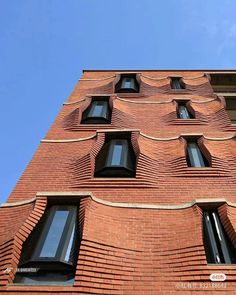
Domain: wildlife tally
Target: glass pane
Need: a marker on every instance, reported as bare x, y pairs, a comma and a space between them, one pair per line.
183, 112
176, 83
210, 243
68, 251
97, 110
54, 234
127, 83
116, 154
195, 155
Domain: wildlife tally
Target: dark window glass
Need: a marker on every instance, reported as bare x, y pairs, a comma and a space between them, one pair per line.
195, 158
98, 112
98, 109
231, 108
183, 112
176, 83
127, 83
49, 254
116, 159
218, 247
116, 154
54, 235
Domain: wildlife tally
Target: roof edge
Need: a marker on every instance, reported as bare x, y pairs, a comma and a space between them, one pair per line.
163, 70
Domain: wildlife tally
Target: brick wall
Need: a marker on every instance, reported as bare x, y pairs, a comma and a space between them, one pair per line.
138, 247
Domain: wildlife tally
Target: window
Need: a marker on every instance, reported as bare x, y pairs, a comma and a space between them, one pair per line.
218, 247
195, 157
176, 83
223, 82
50, 252
127, 83
183, 112
116, 158
231, 108
98, 112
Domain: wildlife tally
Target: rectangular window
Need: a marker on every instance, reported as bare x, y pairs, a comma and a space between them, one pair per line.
98, 112
176, 83
195, 158
116, 158
98, 109
54, 235
218, 247
231, 108
183, 112
127, 84
116, 154
51, 249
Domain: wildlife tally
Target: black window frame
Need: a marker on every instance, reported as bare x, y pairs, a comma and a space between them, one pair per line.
104, 118
218, 247
103, 162
192, 143
135, 88
50, 270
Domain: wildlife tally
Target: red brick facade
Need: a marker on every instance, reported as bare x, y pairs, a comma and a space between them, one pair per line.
141, 235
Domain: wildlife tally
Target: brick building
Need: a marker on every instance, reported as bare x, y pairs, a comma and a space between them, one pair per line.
132, 191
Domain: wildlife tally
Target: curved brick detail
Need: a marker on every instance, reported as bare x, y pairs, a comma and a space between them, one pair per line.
70, 165
31, 216
119, 255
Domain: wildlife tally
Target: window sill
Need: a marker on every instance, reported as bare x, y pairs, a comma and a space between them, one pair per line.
115, 178
222, 265
55, 287
201, 172
179, 90
130, 95
118, 182
94, 124
188, 121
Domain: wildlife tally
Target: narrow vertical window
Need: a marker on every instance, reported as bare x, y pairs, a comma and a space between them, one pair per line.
98, 108
50, 251
195, 157
218, 247
98, 112
183, 112
116, 159
176, 83
128, 83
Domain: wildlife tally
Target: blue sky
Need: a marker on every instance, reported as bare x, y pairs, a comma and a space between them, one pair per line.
45, 45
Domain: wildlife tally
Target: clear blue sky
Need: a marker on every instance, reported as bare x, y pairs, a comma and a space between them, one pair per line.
45, 45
